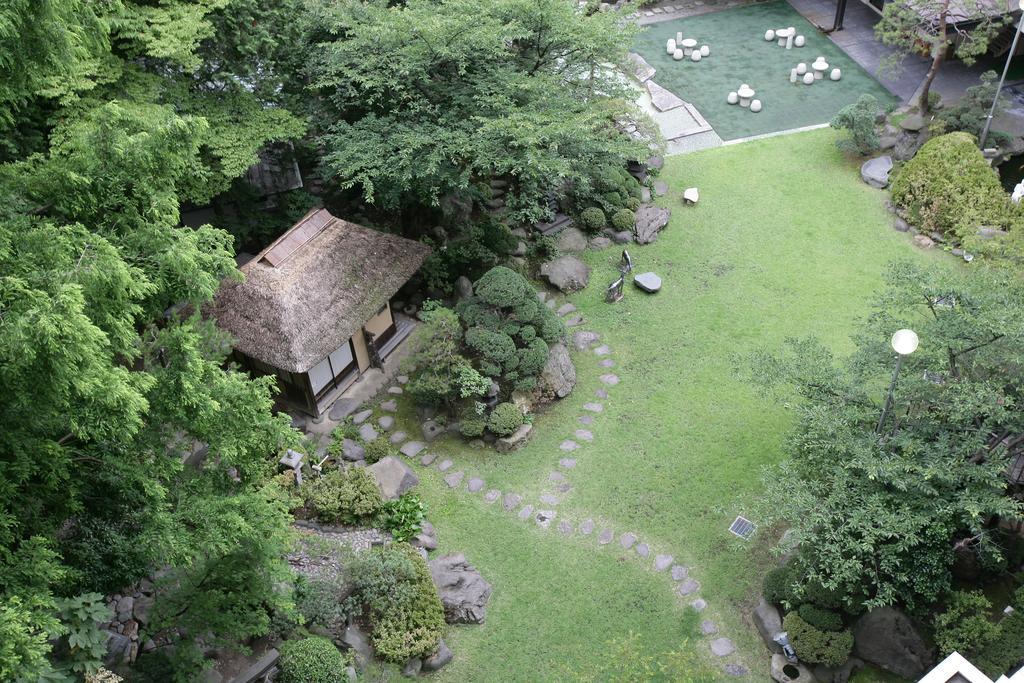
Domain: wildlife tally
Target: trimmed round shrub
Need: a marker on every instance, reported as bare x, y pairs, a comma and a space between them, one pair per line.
592, 219
472, 424
505, 419
532, 358
777, 586
311, 660
633, 203
377, 450
503, 287
820, 618
495, 347
623, 219
614, 200
831, 648
815, 593
343, 496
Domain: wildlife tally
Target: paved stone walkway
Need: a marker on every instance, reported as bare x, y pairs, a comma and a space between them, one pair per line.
543, 512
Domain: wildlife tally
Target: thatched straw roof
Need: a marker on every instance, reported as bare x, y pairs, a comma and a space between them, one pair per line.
312, 289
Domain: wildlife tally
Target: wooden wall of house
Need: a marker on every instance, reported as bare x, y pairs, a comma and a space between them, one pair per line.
375, 325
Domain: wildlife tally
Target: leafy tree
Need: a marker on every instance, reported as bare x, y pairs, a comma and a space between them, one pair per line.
859, 119
937, 28
964, 626
441, 375
882, 515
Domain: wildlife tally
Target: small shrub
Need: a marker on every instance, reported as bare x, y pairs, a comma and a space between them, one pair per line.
377, 450
505, 419
322, 601
858, 119
633, 203
592, 219
965, 626
348, 496
777, 586
544, 247
623, 219
311, 660
403, 517
1006, 649
823, 619
472, 422
826, 598
831, 648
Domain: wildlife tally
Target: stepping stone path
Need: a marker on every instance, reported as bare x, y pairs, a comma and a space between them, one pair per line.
395, 391
699, 604
610, 380
511, 501
587, 527
662, 562
643, 550
593, 407
627, 540
736, 670
566, 309
708, 627
367, 432
584, 435
568, 445
492, 495
544, 518
525, 513
548, 499
587, 419
565, 527
454, 479
428, 459
722, 647
679, 572
386, 422
397, 438
574, 320
361, 417
556, 476
475, 485
390, 406
607, 363
445, 465
601, 394
602, 350
688, 587
402, 379
567, 463
583, 339
606, 537
412, 449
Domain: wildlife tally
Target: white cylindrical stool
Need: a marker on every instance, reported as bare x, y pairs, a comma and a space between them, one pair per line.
695, 56
705, 50
688, 45
732, 97
677, 55
670, 46
801, 69
819, 67
679, 37
769, 35
808, 78
836, 74
799, 41
792, 76
745, 93
755, 106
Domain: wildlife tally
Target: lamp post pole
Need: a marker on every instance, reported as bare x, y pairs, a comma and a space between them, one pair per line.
904, 342
1002, 79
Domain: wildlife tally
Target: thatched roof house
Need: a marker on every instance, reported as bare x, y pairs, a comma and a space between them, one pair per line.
314, 307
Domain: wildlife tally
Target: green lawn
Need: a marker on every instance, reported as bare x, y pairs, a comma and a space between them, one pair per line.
739, 54
786, 240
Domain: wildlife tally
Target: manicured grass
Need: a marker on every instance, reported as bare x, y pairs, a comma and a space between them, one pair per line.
786, 241
739, 54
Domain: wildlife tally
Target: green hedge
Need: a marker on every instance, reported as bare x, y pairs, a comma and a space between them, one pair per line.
831, 648
311, 660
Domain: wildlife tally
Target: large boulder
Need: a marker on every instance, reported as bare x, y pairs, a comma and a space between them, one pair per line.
393, 477
887, 638
650, 220
568, 273
439, 659
875, 172
462, 590
515, 440
571, 240
838, 674
558, 377
768, 622
356, 640
907, 144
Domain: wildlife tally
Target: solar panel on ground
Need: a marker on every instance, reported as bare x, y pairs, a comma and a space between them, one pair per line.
743, 528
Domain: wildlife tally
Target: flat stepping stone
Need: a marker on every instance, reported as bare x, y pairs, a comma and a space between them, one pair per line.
593, 407
736, 670
587, 419
361, 417
397, 438
699, 604
601, 394
402, 379
722, 647
342, 408
606, 537
587, 527
454, 479
584, 435
567, 463
662, 99
475, 484
386, 422
525, 513
662, 562
395, 391
511, 501
648, 282
627, 540
566, 309
609, 379
679, 572
574, 320
390, 406
556, 476
582, 339
607, 363
660, 188
564, 487
643, 550
568, 445
428, 459
548, 499
445, 465
565, 527
367, 432
492, 495
544, 518
689, 587
412, 449
602, 350
708, 627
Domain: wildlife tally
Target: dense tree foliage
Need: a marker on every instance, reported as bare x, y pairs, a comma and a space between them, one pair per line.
880, 517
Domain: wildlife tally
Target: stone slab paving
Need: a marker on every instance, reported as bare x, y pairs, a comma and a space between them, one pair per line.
606, 536
607, 363
492, 495
511, 501
567, 463
587, 419
609, 379
627, 540
584, 435
428, 459
526, 512
568, 445
593, 407
679, 572
386, 422
413, 448
708, 627
722, 647
390, 406
548, 499
602, 350
688, 587
475, 485
643, 550
367, 432
454, 479
662, 562
587, 527
445, 465
397, 438
361, 417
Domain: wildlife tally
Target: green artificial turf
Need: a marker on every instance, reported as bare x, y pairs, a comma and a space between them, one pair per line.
793, 244
739, 54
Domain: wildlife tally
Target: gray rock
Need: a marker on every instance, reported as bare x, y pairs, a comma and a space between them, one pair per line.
655, 163
593, 407
587, 527
439, 659
662, 99
599, 243
648, 282
397, 438
565, 309
463, 592
143, 605
622, 237
386, 422
412, 449
768, 622
454, 479
781, 669
548, 499
119, 649
520, 249
688, 587
627, 540
643, 550
987, 233
837, 674
361, 417
679, 572
662, 562
526, 512
492, 495
568, 273
445, 465
739, 671
567, 463
650, 220
565, 527
912, 122
396, 391
428, 459
412, 667
907, 145
700, 604
584, 435
359, 643
431, 430
393, 477
515, 440
568, 445
722, 647
463, 287
875, 172
351, 675
641, 69
888, 639
571, 240
660, 188
573, 320
583, 339
708, 627
390, 405
124, 608
367, 432
607, 363
544, 518
606, 537
352, 450
342, 408
511, 501
887, 142
900, 225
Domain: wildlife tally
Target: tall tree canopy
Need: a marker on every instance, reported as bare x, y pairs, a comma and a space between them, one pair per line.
881, 517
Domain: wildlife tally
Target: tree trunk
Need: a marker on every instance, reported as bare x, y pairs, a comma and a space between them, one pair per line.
938, 57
